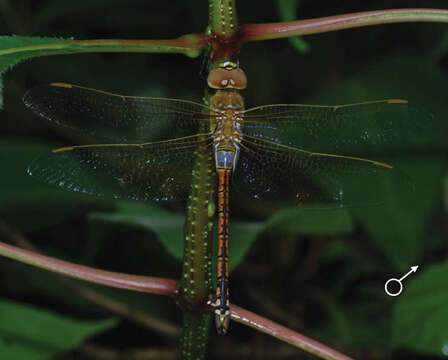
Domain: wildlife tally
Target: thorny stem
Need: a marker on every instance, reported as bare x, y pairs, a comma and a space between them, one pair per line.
222, 17
196, 284
195, 287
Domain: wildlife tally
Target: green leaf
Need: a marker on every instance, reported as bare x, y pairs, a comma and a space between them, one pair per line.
33, 334
310, 220
168, 227
397, 227
21, 195
353, 262
287, 10
14, 49
419, 318
51, 10
440, 48
242, 237
394, 77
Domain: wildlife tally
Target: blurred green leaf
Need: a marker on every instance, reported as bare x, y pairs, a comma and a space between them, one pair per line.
419, 318
31, 333
14, 49
397, 226
168, 227
310, 221
287, 10
52, 9
21, 195
242, 237
445, 192
353, 263
395, 77
337, 325
440, 48
368, 324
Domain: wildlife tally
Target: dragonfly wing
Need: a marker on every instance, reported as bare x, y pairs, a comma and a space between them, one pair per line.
123, 119
364, 128
280, 174
158, 171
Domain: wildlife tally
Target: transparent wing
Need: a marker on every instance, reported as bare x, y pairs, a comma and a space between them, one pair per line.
280, 174
158, 171
362, 128
123, 119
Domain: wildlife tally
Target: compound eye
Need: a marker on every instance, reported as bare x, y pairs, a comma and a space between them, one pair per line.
239, 79
220, 79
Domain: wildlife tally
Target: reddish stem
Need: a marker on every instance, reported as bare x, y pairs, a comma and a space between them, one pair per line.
163, 286
154, 285
254, 32
282, 333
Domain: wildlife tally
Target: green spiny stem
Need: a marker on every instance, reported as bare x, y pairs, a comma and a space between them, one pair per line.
196, 285
195, 332
222, 17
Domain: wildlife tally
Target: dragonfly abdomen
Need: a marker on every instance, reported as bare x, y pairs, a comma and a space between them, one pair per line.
222, 310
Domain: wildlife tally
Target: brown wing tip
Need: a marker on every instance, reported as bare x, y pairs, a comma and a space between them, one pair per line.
68, 148
378, 163
397, 101
62, 85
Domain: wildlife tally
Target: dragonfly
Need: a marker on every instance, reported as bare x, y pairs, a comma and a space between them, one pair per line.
288, 153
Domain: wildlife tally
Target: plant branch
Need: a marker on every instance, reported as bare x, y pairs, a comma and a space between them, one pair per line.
112, 305
282, 333
190, 45
255, 32
166, 287
153, 285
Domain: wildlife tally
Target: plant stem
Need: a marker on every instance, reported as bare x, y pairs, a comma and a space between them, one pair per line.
284, 334
153, 285
222, 17
105, 302
255, 32
196, 285
195, 323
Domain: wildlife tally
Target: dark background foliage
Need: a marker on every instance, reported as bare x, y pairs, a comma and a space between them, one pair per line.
321, 273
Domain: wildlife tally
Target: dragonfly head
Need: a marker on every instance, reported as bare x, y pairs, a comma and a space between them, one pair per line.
227, 76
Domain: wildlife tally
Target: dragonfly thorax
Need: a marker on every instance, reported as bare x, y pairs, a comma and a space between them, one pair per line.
228, 106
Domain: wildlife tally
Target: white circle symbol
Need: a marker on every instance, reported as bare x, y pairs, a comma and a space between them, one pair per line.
396, 293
